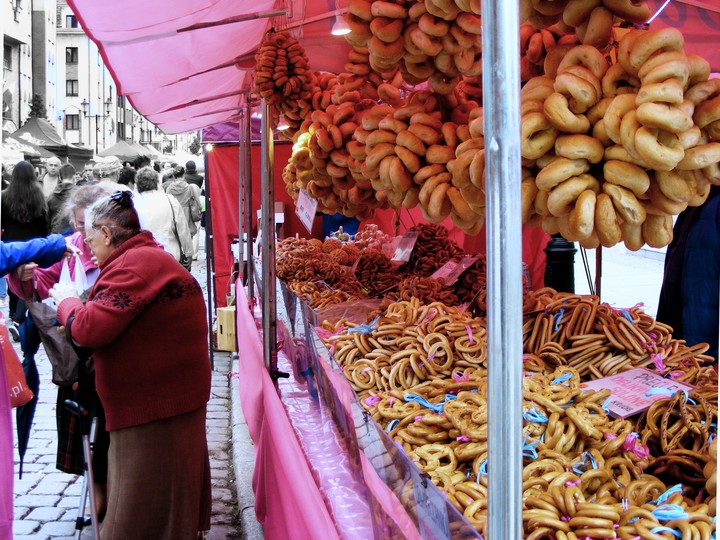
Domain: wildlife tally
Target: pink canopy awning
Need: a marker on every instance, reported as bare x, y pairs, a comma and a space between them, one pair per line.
185, 64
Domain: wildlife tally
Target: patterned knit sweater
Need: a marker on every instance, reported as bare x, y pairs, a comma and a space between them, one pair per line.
145, 320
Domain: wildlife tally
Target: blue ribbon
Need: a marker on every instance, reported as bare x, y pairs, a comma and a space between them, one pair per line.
586, 456
482, 471
562, 378
626, 314
528, 449
606, 405
533, 415
668, 512
677, 488
668, 392
364, 328
657, 530
558, 319
392, 425
425, 403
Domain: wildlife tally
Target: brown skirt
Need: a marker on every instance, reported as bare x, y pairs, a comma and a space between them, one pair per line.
159, 480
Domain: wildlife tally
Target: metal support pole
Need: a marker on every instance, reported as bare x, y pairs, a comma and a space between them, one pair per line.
501, 86
210, 259
598, 272
249, 206
269, 312
241, 197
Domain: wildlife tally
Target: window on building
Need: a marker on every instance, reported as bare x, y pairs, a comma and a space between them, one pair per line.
72, 87
71, 55
71, 21
120, 131
72, 122
7, 57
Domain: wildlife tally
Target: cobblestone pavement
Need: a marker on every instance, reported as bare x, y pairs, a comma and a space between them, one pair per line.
47, 500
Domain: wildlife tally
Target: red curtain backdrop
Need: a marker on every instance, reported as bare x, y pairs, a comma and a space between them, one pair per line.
222, 177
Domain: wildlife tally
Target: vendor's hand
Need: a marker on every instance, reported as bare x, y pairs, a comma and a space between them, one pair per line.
71, 249
25, 271
61, 291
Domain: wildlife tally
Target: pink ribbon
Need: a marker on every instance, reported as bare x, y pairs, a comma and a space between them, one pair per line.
372, 400
575, 483
419, 418
469, 333
463, 438
432, 312
657, 362
431, 356
610, 436
676, 374
391, 401
460, 378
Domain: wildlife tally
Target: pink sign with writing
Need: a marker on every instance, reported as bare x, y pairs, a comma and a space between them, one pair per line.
630, 390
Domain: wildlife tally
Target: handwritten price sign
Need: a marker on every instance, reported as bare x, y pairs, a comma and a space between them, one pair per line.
305, 209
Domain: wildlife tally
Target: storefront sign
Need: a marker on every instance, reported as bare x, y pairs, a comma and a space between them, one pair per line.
630, 388
305, 209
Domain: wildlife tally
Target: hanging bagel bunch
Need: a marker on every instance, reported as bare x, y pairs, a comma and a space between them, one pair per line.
617, 137
283, 77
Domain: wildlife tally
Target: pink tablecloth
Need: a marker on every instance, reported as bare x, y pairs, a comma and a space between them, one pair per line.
287, 501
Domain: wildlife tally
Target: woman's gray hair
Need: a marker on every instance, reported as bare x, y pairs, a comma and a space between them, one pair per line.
117, 212
82, 197
147, 179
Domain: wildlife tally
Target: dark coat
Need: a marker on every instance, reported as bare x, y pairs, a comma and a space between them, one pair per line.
194, 178
689, 298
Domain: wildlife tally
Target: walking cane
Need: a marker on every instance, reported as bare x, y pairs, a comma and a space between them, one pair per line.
86, 428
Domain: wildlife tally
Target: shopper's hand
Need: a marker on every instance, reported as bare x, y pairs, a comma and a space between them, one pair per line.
61, 291
71, 249
25, 271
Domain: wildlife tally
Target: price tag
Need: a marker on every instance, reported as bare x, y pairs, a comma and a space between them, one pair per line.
629, 388
451, 271
305, 209
431, 508
405, 247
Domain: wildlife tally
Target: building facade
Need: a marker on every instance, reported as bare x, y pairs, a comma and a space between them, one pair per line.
46, 53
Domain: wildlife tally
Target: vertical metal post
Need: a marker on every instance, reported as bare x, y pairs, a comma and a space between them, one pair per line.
598, 272
210, 259
501, 87
248, 205
241, 196
269, 313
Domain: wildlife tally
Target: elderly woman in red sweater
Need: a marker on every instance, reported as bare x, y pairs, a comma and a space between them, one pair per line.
145, 321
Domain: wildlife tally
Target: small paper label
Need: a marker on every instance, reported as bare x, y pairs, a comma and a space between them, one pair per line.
451, 271
305, 209
405, 247
629, 388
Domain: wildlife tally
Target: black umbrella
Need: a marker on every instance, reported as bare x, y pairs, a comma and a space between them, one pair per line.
24, 415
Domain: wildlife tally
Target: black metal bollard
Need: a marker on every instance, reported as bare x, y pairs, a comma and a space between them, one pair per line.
560, 264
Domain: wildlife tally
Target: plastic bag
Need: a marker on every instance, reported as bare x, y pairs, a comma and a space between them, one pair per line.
79, 279
17, 386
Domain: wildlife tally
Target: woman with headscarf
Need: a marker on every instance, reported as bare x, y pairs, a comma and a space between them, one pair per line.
144, 319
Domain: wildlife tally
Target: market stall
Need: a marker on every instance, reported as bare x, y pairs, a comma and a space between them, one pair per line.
482, 390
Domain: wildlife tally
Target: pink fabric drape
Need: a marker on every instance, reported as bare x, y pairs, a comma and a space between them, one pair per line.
287, 501
6, 457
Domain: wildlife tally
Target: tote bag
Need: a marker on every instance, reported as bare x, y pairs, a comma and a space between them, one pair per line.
60, 352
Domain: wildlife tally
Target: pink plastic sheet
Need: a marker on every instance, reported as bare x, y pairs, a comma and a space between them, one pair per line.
287, 501
6, 457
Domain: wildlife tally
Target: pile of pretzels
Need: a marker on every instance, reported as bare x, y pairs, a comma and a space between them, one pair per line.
420, 372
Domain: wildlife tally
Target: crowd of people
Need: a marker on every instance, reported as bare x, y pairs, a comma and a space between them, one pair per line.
131, 226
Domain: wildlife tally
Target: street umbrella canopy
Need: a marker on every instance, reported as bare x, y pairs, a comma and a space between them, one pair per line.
40, 132
123, 151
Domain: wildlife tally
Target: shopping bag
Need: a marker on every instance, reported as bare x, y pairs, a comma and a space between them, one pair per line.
44, 314
79, 280
17, 388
